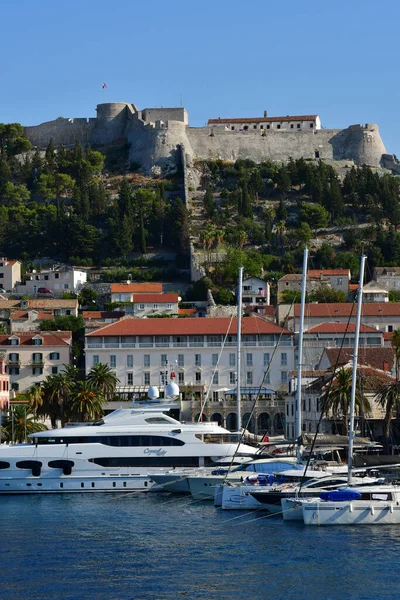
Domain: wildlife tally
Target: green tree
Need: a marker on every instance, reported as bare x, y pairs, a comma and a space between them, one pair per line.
315, 215
87, 402
208, 202
12, 140
88, 298
104, 380
21, 423
326, 294
336, 399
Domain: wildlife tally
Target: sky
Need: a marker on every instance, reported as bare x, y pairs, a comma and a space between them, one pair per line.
220, 58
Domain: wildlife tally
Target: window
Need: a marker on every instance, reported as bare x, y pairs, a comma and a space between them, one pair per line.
54, 370
129, 360
15, 387
169, 306
56, 275
129, 378
54, 356
232, 360
13, 341
233, 128
316, 154
146, 360
155, 306
298, 125
37, 357
284, 377
181, 360
283, 359
96, 359
254, 126
215, 378
197, 377
68, 312
164, 360
268, 126
339, 281
113, 361
291, 126
309, 404
181, 377
261, 126
249, 360
13, 371
13, 357
232, 377
266, 359
278, 126
1, 275
214, 359
141, 306
37, 342
66, 286
146, 378
390, 328
267, 379
292, 409
197, 360
287, 410
245, 127
37, 371
249, 378
311, 125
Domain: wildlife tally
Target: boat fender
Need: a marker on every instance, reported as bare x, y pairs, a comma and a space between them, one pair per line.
391, 508
351, 507
372, 510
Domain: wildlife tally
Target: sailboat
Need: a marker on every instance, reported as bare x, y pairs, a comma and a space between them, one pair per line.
368, 504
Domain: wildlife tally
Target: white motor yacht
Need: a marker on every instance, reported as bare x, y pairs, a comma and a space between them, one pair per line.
114, 454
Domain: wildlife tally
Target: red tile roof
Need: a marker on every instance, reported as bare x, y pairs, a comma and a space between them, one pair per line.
136, 288
50, 338
187, 311
264, 119
345, 309
329, 272
53, 303
204, 326
341, 328
381, 357
160, 298
20, 315
101, 314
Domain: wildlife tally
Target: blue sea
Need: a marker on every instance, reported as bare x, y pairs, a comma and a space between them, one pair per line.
149, 546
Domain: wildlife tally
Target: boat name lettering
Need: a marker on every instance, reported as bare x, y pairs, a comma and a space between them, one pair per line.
156, 451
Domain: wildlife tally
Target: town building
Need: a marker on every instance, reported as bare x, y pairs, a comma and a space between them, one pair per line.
374, 292
336, 279
146, 305
384, 316
335, 335
255, 291
58, 280
10, 274
32, 356
26, 315
265, 123
123, 292
4, 382
202, 355
388, 277
98, 318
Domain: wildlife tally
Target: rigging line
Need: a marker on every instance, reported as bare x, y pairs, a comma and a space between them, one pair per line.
263, 517
203, 404
326, 396
266, 372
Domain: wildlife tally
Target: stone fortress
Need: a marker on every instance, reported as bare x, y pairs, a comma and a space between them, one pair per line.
159, 136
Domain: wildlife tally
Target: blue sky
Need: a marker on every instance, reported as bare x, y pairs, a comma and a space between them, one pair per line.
335, 58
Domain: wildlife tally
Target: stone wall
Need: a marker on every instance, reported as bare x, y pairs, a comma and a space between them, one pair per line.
62, 131
165, 114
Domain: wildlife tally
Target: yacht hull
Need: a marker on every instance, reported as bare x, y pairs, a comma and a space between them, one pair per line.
239, 498
356, 512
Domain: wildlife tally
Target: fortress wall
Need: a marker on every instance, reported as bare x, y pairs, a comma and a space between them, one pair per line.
112, 118
165, 114
275, 145
62, 131
151, 146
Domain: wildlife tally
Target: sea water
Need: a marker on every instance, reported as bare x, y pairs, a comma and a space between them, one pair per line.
153, 546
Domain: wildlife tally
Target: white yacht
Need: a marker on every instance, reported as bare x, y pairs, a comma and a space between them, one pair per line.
114, 454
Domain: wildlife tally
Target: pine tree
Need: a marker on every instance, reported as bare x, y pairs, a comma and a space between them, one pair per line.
208, 201
143, 247
50, 157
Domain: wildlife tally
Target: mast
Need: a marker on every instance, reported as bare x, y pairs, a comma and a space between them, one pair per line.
239, 335
298, 430
354, 377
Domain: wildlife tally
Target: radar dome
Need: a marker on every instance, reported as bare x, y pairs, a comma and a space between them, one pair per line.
172, 390
153, 392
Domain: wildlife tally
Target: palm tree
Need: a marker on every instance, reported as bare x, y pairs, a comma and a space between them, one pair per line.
21, 423
87, 402
337, 397
104, 380
388, 397
57, 391
35, 397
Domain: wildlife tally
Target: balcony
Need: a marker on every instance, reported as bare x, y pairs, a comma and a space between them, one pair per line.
14, 363
245, 343
37, 363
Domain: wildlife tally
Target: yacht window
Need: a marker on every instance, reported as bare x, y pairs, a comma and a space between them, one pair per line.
4, 465
146, 461
117, 440
157, 420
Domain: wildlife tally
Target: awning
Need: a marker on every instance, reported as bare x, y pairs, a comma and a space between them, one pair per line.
250, 391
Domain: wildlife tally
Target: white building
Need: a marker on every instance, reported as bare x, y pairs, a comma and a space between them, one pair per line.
255, 291
123, 292
32, 356
10, 274
58, 280
389, 277
139, 350
287, 123
374, 292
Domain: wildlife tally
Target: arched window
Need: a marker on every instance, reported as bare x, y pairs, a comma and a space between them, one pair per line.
231, 422
264, 423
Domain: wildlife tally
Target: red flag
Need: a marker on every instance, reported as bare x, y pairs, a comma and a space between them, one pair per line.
104, 85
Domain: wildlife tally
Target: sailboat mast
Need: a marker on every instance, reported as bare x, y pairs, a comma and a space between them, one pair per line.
354, 377
300, 348
239, 336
